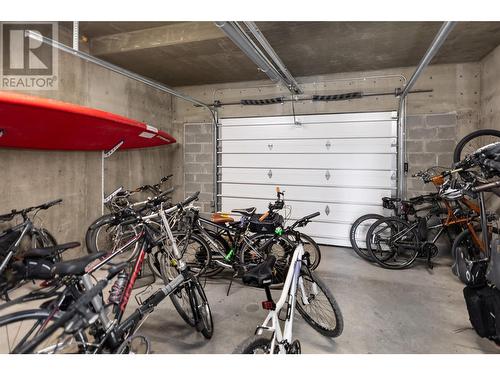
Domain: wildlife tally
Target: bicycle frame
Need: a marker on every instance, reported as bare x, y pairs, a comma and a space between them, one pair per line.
27, 225
282, 338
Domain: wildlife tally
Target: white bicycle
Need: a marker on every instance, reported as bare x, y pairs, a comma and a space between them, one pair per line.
302, 290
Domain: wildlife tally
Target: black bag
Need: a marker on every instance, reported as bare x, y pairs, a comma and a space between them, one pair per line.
33, 269
7, 238
268, 225
483, 305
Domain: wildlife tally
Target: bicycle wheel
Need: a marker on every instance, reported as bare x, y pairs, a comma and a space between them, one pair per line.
214, 269
254, 345
180, 297
357, 234
259, 246
105, 234
471, 250
311, 248
200, 303
322, 311
393, 243
471, 142
19, 328
194, 251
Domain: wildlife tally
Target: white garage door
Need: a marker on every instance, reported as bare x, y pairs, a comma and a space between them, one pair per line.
338, 164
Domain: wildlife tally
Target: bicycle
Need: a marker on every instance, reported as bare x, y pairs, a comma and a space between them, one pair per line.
402, 209
302, 290
239, 245
11, 241
110, 333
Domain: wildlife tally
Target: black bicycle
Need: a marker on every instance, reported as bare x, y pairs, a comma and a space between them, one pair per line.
23, 241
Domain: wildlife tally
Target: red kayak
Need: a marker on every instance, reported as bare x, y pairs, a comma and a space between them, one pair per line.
38, 123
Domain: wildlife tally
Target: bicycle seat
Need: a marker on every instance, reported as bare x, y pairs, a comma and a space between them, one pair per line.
245, 211
221, 218
44, 252
76, 267
262, 274
390, 199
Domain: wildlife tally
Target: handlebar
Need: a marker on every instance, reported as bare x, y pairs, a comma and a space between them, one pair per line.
49, 204
188, 200
305, 220
485, 187
44, 206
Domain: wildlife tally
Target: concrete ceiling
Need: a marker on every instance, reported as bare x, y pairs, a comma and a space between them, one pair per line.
193, 53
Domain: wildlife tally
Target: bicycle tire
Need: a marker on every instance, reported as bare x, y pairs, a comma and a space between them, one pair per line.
362, 252
214, 269
253, 343
382, 257
311, 247
180, 300
464, 240
252, 254
200, 260
108, 221
46, 238
206, 324
306, 310
459, 148
35, 316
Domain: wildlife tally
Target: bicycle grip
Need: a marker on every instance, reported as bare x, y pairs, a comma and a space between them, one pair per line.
189, 199
50, 204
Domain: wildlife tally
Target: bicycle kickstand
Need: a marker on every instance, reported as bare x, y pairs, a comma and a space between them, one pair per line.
429, 261
231, 283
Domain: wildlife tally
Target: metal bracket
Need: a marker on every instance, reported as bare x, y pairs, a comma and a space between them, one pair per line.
327, 175
107, 154
328, 144
270, 174
270, 146
327, 210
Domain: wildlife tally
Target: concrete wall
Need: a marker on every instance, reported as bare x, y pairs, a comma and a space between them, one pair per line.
490, 90
436, 120
30, 177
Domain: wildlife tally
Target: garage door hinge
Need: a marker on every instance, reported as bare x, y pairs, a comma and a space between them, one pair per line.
327, 210
270, 174
328, 145
327, 175
394, 176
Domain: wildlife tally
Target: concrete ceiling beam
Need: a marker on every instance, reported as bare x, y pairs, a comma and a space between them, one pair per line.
163, 36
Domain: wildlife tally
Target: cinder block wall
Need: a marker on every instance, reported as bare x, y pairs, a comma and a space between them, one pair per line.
435, 120
31, 177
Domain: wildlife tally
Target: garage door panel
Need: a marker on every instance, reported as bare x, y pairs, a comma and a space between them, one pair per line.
324, 118
335, 161
321, 177
296, 210
346, 129
315, 194
368, 145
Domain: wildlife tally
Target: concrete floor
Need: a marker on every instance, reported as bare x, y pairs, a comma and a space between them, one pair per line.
407, 311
